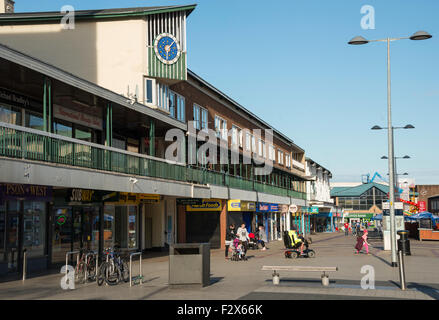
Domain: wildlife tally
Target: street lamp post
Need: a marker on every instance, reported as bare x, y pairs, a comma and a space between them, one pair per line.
420, 35
395, 172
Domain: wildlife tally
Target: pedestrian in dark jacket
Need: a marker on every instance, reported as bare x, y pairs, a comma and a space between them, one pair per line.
230, 236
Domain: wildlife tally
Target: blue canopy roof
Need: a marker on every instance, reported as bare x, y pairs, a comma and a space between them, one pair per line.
423, 215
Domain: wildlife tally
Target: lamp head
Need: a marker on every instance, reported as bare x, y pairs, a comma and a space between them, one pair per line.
421, 35
409, 126
358, 40
376, 128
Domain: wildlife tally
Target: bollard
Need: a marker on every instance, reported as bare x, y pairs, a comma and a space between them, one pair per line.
276, 279
24, 264
401, 269
325, 280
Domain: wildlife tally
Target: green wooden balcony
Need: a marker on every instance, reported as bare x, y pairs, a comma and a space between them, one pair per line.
30, 144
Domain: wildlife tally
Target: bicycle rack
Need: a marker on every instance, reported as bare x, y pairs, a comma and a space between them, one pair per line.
72, 253
93, 253
131, 262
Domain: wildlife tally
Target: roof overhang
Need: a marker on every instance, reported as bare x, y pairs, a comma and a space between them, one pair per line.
30, 17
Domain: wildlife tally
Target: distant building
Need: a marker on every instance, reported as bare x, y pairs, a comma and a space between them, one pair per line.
362, 201
430, 195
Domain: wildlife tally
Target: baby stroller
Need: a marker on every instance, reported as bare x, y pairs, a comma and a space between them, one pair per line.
293, 243
237, 253
253, 242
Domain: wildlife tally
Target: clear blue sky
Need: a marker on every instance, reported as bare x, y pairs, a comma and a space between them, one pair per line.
288, 61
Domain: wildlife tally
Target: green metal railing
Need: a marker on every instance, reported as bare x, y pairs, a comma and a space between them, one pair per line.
29, 144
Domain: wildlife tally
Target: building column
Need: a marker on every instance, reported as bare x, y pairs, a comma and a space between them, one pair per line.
152, 138
223, 223
47, 105
181, 223
109, 126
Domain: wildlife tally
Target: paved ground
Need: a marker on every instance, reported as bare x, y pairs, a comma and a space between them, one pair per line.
245, 280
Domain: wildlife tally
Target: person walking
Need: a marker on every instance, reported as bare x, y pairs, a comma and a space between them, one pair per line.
346, 228
362, 241
230, 236
242, 234
262, 237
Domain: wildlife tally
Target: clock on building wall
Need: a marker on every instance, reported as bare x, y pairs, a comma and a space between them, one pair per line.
167, 48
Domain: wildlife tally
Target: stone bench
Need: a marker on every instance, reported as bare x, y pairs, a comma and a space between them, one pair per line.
323, 270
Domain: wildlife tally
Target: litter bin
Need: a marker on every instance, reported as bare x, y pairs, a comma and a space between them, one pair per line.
403, 242
189, 264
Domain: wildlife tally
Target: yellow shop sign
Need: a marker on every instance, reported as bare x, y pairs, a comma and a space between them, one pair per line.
206, 205
238, 205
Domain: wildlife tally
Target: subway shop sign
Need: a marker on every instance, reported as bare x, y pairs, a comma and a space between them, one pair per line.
206, 205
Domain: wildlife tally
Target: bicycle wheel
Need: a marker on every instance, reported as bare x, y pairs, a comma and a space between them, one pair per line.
125, 272
80, 272
113, 274
91, 269
101, 273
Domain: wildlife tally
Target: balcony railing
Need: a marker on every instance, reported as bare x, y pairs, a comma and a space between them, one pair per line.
30, 144
298, 165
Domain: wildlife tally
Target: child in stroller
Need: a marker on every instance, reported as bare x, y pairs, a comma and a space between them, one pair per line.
238, 251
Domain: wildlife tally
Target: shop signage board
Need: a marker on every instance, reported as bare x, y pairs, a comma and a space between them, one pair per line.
77, 117
206, 205
359, 215
293, 208
189, 201
238, 205
397, 206
267, 207
313, 210
422, 206
11, 191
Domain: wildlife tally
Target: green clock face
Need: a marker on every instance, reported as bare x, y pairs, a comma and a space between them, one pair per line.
167, 48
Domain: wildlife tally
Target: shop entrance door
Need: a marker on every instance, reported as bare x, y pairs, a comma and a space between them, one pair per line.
10, 244
74, 229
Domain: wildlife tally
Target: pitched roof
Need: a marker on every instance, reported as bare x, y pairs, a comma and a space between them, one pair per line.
19, 17
358, 190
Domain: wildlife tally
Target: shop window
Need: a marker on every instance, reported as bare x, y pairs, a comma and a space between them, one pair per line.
10, 115
34, 121
62, 129
108, 226
84, 134
34, 231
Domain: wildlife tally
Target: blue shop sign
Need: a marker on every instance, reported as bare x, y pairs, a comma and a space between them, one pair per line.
267, 207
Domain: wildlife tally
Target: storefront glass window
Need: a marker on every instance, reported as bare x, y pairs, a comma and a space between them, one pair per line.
34, 231
62, 130
109, 226
2, 231
84, 134
34, 121
132, 227
10, 115
62, 234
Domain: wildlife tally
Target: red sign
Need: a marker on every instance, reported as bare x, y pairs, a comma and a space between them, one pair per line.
422, 206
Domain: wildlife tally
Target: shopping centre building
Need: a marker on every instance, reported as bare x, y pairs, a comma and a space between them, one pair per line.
84, 115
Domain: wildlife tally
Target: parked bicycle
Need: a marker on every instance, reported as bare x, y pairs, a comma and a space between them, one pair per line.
113, 269
87, 264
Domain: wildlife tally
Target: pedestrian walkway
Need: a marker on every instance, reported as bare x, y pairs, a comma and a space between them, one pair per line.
245, 280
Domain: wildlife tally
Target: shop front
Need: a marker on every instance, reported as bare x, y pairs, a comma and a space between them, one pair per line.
76, 221
268, 214
23, 226
239, 212
203, 222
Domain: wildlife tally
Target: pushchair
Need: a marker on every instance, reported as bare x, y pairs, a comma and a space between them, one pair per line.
237, 254
253, 242
293, 243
